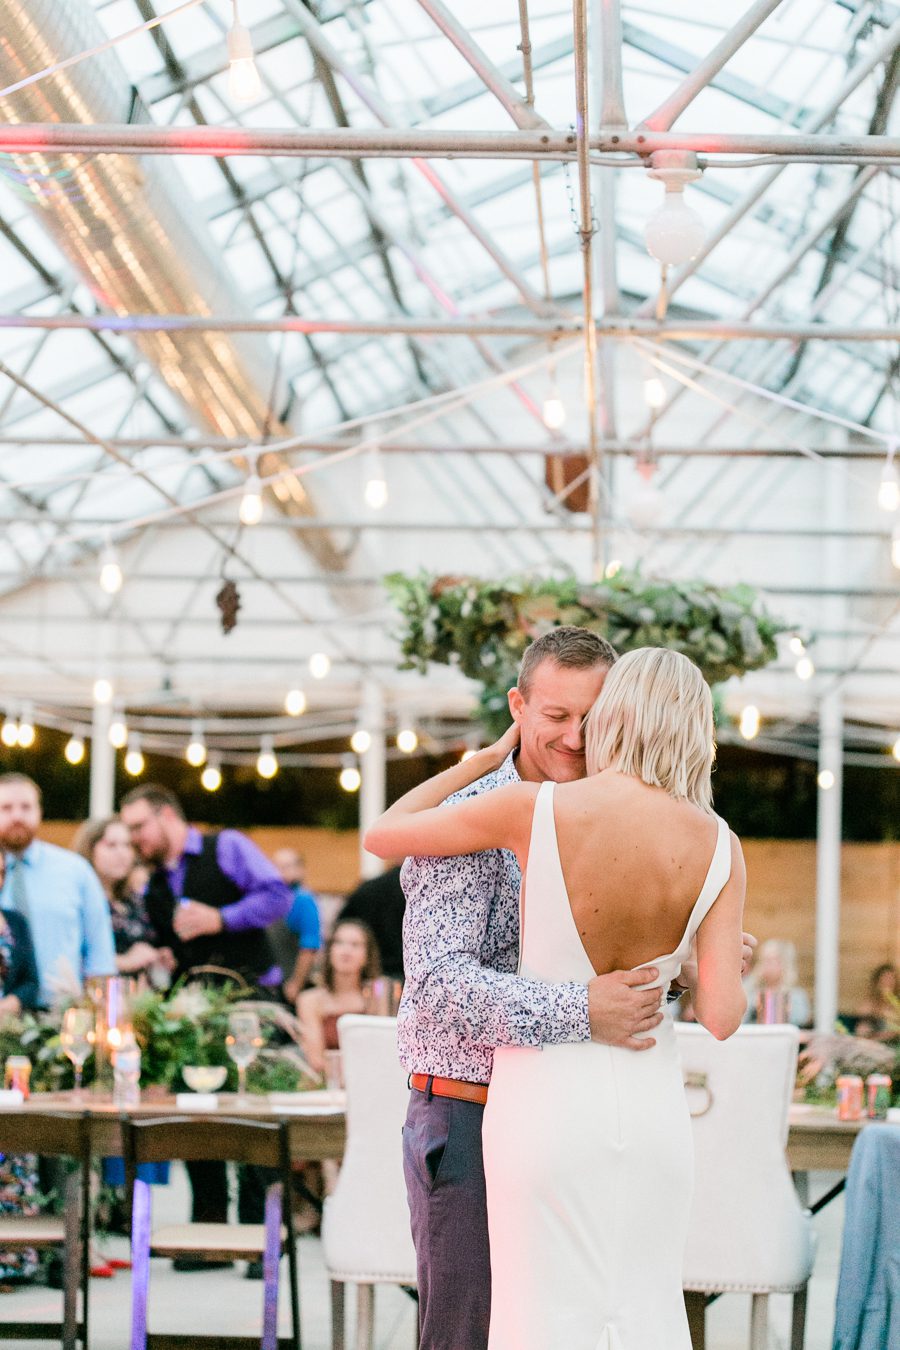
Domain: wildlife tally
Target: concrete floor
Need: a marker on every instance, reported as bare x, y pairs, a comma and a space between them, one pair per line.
224, 1300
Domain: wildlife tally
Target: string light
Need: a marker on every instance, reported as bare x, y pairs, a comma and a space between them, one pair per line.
804, 668
134, 760
26, 732
103, 691
118, 731
350, 777
407, 740
749, 723
251, 507
319, 665
554, 410
211, 777
195, 754
9, 733
796, 645
110, 571
654, 392
826, 780
889, 486
244, 84
612, 568
466, 755
895, 751
75, 748
295, 703
376, 488
360, 741
674, 234
267, 763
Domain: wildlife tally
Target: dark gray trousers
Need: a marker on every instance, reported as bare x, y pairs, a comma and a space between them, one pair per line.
444, 1170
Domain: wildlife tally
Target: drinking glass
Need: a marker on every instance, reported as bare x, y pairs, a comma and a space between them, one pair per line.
243, 1044
76, 1037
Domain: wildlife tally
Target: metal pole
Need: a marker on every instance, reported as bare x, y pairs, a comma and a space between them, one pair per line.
586, 234
373, 768
672, 107
828, 860
103, 763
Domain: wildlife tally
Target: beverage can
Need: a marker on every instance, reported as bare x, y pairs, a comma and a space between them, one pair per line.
17, 1073
878, 1096
850, 1097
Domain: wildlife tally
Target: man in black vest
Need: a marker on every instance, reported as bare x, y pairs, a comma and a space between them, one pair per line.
210, 899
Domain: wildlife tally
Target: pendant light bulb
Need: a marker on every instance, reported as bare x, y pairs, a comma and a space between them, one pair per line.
889, 487
295, 703
407, 740
75, 749
9, 733
118, 731
674, 234
350, 778
251, 503
244, 84
110, 571
103, 690
211, 777
360, 741
134, 760
895, 547
195, 754
375, 491
267, 763
749, 723
554, 411
319, 665
826, 780
804, 668
895, 750
26, 734
654, 392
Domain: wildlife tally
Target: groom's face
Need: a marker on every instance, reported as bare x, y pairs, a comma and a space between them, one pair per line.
551, 720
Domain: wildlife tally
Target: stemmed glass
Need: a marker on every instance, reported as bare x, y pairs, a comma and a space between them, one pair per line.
243, 1044
76, 1037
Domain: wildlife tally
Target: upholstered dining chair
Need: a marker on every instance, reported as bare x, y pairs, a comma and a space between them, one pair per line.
366, 1238
49, 1134
748, 1231
261, 1143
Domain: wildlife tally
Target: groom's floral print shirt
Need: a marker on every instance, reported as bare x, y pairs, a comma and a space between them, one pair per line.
462, 996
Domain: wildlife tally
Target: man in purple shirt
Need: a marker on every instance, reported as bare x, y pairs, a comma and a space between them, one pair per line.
210, 899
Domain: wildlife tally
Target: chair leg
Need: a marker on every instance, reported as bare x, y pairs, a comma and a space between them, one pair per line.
365, 1317
140, 1263
759, 1322
71, 1261
271, 1262
798, 1318
338, 1338
695, 1306
294, 1279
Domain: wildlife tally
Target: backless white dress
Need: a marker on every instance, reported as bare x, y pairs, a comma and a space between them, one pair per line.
587, 1152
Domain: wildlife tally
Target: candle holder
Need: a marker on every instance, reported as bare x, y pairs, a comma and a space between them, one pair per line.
111, 997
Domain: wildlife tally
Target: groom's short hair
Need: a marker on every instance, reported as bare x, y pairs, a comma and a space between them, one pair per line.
567, 646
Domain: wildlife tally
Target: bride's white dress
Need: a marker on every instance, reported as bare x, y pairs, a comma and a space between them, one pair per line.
587, 1152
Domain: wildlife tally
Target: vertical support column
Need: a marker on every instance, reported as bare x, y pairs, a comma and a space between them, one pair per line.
828, 859
103, 763
373, 768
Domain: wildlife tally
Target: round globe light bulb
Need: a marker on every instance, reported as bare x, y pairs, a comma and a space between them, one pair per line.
749, 723
826, 780
267, 764
895, 750
244, 84
319, 665
118, 733
407, 740
103, 690
654, 392
251, 508
467, 754
9, 733
889, 488
26, 734
110, 574
674, 234
295, 703
612, 568
376, 493
211, 778
350, 779
796, 646
554, 413
195, 754
75, 750
805, 669
134, 763
360, 741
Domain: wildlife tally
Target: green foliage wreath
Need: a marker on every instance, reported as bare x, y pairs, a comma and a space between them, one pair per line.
483, 627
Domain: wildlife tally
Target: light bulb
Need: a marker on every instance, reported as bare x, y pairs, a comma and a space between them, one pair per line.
266, 764
749, 723
895, 751
805, 668
407, 740
654, 392
360, 741
26, 734
895, 547
110, 571
826, 780
195, 754
211, 778
350, 778
376, 490
252, 502
612, 569
554, 412
674, 233
889, 487
319, 665
796, 646
134, 760
118, 732
467, 754
74, 751
244, 84
295, 703
103, 690
9, 733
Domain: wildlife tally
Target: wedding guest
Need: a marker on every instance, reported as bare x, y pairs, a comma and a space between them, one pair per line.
210, 899
56, 892
350, 965
107, 846
775, 972
380, 903
19, 990
879, 1018
301, 933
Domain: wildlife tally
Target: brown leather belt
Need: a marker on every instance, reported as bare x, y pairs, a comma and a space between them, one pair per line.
449, 1087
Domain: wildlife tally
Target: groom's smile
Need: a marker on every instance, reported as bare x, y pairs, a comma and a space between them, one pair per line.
550, 714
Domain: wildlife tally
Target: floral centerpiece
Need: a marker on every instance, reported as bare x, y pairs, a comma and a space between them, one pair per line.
483, 627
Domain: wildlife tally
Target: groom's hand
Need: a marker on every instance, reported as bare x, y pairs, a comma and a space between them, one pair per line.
620, 1005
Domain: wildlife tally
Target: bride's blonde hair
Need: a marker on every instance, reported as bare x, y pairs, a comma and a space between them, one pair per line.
653, 720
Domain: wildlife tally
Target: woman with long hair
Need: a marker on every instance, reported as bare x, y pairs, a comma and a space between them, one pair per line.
775, 974
350, 964
588, 1152
879, 1017
107, 846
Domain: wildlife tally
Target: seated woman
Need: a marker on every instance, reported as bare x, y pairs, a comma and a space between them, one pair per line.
879, 1018
351, 963
775, 972
19, 1185
107, 847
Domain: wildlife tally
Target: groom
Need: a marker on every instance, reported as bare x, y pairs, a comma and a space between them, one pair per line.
463, 998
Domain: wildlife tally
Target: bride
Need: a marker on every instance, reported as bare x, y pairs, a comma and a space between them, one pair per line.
587, 1147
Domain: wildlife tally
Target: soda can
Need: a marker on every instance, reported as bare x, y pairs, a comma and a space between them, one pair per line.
850, 1097
878, 1096
17, 1073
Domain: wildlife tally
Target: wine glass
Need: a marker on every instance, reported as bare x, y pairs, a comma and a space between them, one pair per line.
243, 1044
76, 1037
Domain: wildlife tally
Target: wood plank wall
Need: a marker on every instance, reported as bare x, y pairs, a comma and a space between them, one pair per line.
781, 876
